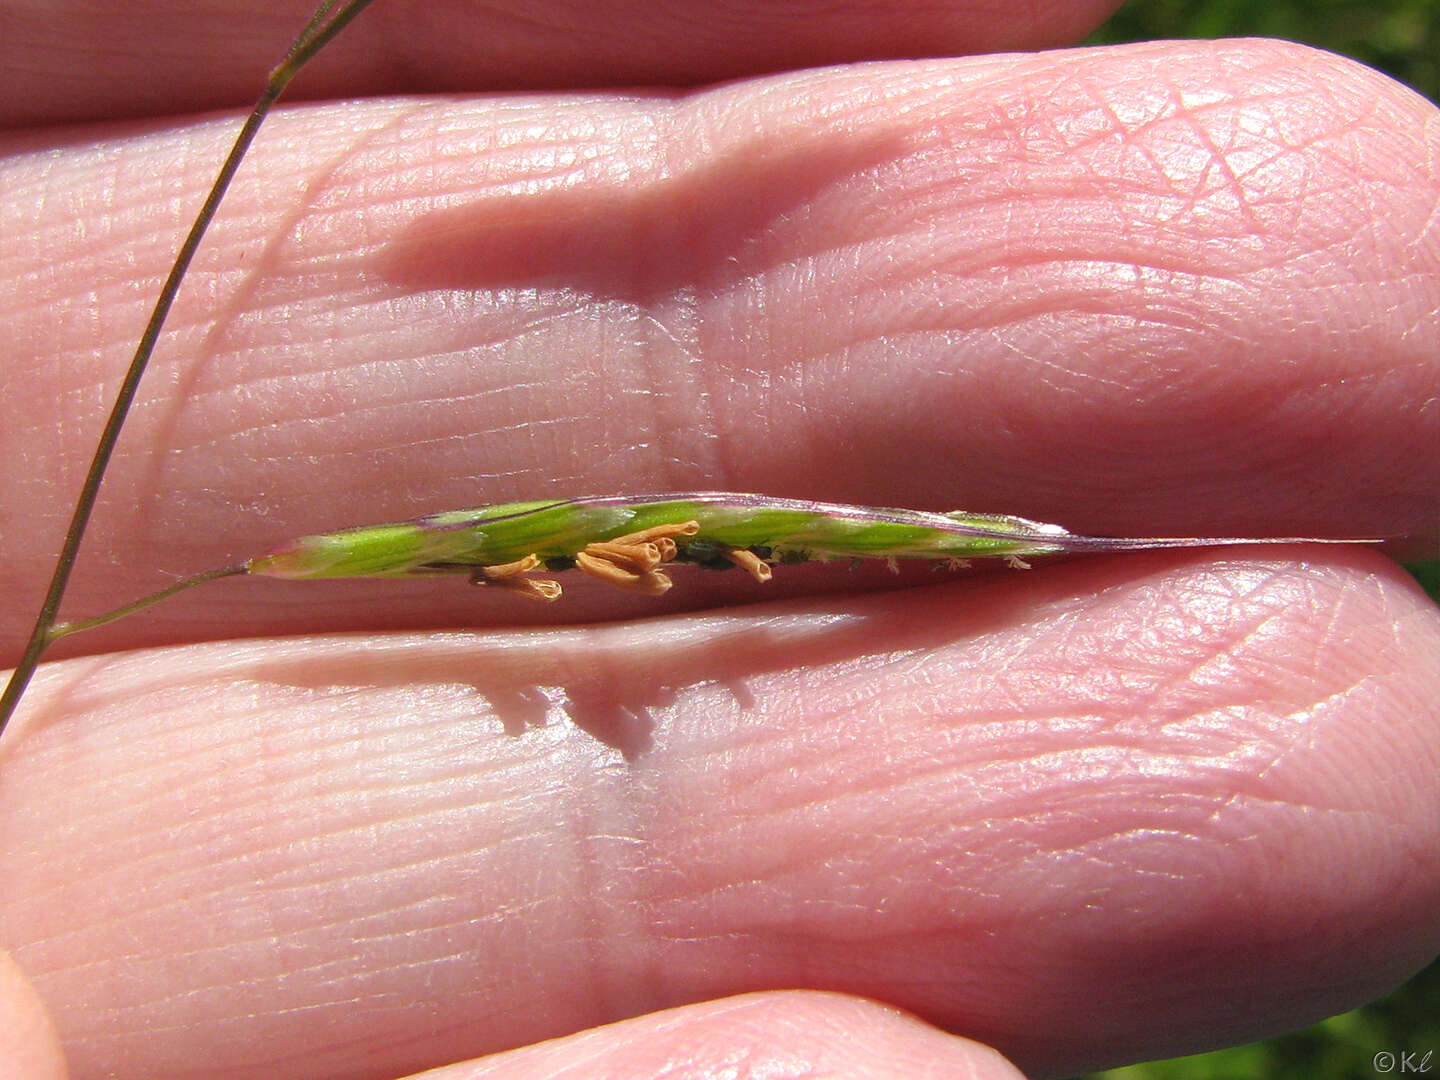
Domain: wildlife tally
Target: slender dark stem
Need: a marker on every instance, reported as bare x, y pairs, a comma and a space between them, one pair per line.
64, 629
323, 26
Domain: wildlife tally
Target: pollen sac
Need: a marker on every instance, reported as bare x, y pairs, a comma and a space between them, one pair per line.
632, 562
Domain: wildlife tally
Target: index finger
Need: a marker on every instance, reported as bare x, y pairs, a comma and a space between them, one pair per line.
139, 59
1168, 288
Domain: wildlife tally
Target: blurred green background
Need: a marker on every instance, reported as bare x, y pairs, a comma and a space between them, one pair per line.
1401, 38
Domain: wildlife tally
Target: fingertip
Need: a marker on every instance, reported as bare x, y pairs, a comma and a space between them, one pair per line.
780, 1035
29, 1045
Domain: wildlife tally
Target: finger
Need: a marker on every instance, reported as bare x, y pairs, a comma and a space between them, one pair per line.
29, 1046
1165, 289
149, 59
781, 1035
1064, 813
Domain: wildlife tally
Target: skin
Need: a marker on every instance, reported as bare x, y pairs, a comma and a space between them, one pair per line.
1108, 810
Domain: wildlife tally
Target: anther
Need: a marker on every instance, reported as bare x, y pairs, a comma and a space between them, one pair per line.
630, 562
751, 563
511, 577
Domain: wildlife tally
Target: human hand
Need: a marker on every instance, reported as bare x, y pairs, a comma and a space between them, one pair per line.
1104, 811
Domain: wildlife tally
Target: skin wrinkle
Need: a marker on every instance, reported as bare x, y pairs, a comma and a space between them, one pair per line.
193, 900
252, 854
1161, 689
682, 423
811, 807
1232, 658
